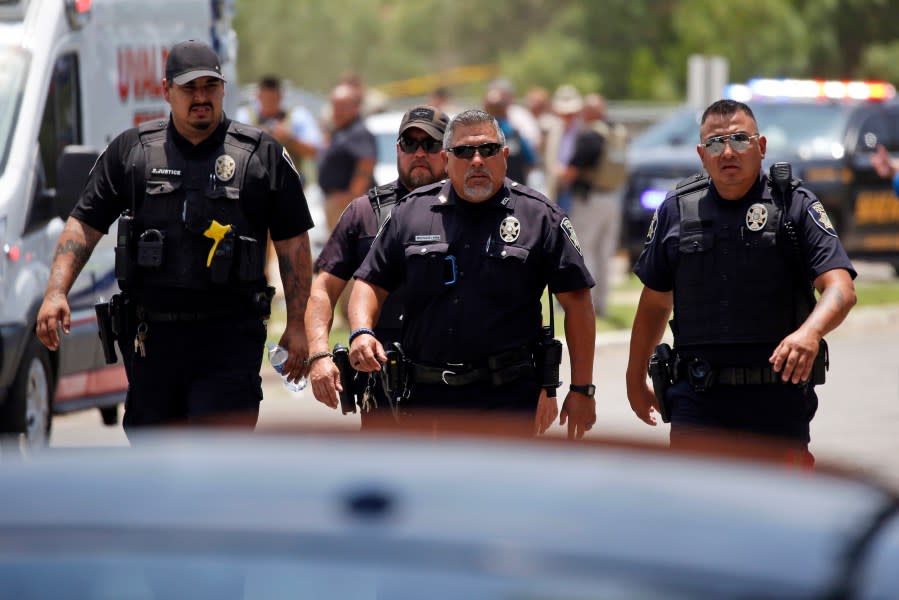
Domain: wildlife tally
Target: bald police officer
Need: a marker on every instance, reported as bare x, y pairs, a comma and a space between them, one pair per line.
418, 163
198, 194
475, 254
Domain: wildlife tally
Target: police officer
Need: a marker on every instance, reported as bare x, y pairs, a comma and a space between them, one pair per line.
475, 254
198, 193
418, 163
735, 257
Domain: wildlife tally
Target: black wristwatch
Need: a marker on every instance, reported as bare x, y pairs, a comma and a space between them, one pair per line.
588, 390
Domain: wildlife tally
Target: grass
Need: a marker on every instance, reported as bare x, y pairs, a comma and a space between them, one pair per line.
622, 308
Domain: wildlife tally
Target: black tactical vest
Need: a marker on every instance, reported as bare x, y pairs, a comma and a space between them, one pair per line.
383, 199
515, 165
182, 199
733, 283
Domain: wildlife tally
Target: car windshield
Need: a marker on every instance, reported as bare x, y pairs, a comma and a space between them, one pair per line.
13, 69
804, 129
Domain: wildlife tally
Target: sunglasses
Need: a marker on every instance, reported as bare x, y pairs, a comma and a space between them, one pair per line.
485, 150
410, 146
740, 142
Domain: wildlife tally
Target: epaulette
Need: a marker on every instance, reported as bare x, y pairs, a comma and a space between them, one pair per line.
151, 126
426, 190
693, 183
245, 133
382, 191
520, 189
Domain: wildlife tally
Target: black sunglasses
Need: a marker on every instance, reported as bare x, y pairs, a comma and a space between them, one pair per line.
738, 141
485, 150
410, 146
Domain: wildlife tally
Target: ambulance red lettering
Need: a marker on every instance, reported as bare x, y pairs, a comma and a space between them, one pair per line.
140, 72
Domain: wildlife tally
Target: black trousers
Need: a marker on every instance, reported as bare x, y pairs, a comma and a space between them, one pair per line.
506, 409
779, 411
195, 372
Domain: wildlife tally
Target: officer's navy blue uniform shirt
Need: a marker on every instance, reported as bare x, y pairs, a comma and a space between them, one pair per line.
819, 244
494, 304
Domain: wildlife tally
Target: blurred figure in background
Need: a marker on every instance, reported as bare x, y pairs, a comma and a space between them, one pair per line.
442, 99
346, 166
595, 175
519, 116
521, 155
294, 127
538, 102
886, 166
559, 150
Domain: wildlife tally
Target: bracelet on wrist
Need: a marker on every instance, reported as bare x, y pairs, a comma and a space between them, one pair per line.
361, 331
316, 356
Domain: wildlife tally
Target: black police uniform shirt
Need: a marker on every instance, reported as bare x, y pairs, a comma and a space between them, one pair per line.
271, 196
737, 279
474, 274
338, 161
347, 247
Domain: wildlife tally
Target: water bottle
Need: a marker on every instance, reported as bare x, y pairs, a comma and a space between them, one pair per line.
277, 355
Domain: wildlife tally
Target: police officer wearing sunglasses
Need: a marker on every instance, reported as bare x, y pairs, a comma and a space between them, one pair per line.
735, 254
418, 163
475, 254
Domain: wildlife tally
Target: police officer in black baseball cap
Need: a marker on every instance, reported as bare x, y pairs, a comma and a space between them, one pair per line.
195, 196
418, 163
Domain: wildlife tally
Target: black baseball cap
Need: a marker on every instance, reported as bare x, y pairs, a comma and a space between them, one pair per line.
431, 120
191, 59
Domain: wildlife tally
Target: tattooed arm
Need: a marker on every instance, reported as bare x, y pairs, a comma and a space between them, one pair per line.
76, 243
295, 264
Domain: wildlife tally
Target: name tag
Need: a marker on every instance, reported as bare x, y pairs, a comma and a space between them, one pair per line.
427, 238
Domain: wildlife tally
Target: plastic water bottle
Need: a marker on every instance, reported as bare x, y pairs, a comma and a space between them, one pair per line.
277, 355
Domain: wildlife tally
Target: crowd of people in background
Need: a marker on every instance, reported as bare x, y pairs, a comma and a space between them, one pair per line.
559, 143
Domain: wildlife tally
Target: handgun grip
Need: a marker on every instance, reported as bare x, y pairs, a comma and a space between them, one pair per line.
216, 232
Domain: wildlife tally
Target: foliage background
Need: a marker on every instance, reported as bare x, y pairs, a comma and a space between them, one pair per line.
626, 49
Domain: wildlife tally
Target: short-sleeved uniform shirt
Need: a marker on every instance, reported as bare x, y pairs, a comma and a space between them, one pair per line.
819, 244
337, 162
271, 194
349, 244
474, 273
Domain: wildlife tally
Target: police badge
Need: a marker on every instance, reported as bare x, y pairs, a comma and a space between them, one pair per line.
756, 217
224, 167
509, 229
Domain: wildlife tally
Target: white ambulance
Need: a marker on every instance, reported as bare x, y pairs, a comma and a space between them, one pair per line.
73, 75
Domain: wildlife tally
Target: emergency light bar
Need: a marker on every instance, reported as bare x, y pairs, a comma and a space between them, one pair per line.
809, 88
78, 12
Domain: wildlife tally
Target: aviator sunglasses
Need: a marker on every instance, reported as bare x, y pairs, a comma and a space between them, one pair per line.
410, 146
485, 150
738, 141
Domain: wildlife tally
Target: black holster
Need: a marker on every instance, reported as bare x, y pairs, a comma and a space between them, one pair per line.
106, 330
661, 369
821, 365
547, 359
341, 357
396, 372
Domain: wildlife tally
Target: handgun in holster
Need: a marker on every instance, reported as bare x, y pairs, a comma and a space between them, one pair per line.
661, 365
107, 331
821, 364
341, 357
396, 372
547, 360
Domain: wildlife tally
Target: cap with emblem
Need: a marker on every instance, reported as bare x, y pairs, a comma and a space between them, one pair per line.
191, 59
427, 118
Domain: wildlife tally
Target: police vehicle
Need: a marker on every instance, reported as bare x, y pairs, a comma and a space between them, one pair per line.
73, 75
827, 130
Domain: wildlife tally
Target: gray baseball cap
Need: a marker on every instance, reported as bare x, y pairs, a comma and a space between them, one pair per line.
432, 121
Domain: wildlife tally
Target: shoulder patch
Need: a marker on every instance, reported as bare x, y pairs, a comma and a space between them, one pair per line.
568, 228
653, 226
286, 156
819, 216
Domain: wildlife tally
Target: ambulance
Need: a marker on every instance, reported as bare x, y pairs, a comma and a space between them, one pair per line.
73, 75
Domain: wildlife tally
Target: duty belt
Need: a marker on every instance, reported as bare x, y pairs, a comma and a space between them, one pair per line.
151, 316
498, 369
702, 376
